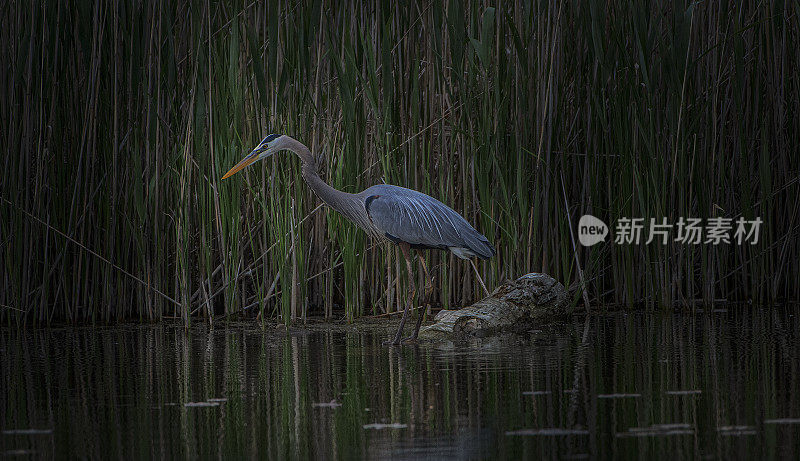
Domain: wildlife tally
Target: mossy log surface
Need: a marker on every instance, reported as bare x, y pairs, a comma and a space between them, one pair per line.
515, 306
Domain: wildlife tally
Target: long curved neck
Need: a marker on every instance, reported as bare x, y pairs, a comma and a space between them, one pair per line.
349, 205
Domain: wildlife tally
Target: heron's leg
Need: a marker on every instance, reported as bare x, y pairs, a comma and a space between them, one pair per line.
429, 280
426, 302
405, 248
477, 274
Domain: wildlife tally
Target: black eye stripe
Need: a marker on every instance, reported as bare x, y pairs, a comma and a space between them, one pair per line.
271, 137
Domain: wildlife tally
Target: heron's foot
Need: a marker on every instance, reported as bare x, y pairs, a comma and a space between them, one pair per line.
402, 342
395, 341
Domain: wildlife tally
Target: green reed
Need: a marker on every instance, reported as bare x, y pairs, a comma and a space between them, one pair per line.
118, 121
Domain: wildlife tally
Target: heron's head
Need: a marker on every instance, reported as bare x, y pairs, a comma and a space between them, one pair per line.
268, 146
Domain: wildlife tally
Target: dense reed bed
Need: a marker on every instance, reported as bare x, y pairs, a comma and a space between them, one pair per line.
117, 120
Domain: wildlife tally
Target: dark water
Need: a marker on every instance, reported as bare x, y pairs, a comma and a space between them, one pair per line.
720, 385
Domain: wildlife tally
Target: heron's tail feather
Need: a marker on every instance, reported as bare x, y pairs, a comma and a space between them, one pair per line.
480, 245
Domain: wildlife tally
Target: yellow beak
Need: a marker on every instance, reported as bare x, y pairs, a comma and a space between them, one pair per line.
251, 158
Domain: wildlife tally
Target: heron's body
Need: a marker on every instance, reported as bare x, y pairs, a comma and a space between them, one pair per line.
398, 215
406, 217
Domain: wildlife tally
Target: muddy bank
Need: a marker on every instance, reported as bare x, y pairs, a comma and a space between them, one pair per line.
517, 306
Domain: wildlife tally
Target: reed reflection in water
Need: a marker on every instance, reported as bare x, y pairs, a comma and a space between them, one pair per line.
720, 385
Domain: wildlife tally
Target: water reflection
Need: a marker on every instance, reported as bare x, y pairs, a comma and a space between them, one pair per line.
721, 385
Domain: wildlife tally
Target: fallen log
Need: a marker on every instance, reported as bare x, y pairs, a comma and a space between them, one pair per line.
515, 306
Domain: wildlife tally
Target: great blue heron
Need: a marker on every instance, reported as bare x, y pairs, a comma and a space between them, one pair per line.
408, 218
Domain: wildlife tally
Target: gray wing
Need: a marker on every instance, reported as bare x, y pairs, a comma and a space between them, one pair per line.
407, 215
